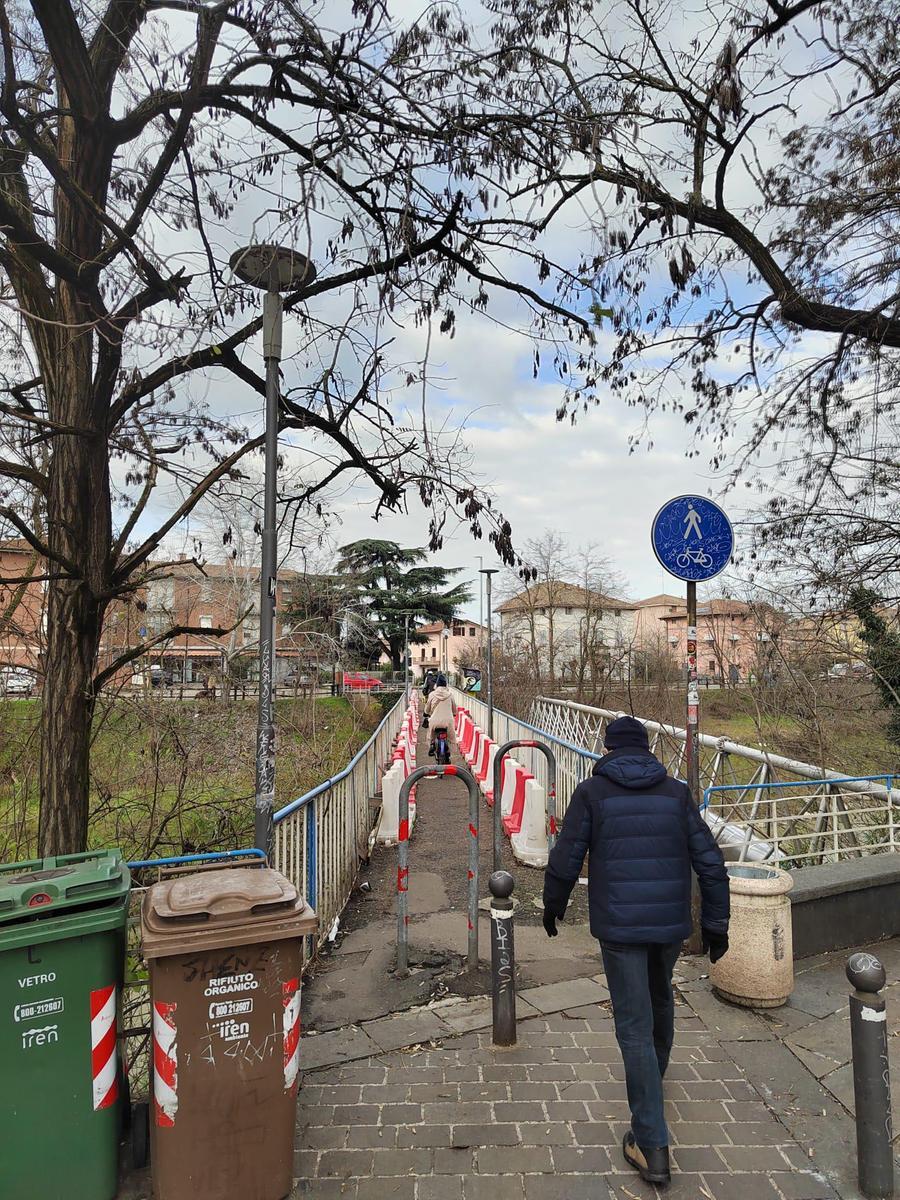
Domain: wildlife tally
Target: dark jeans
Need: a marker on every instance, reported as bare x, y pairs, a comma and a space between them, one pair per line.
639, 979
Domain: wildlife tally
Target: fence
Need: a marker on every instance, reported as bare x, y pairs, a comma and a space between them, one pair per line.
850, 814
805, 822
573, 762
321, 836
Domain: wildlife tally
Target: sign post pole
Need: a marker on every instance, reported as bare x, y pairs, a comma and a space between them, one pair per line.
692, 726
692, 749
693, 539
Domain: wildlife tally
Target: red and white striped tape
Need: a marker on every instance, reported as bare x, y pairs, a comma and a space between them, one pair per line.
291, 1000
104, 1061
165, 1063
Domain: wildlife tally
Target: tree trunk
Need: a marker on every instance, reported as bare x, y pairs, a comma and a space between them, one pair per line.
79, 510
66, 716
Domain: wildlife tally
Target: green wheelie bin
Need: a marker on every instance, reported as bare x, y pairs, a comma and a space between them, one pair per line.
62, 955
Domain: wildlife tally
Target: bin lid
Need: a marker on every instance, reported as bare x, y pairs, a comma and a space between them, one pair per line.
213, 909
42, 887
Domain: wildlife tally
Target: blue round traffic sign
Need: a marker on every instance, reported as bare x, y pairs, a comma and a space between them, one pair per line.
692, 538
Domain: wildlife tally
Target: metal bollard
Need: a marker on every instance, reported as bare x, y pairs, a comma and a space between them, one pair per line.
503, 959
871, 1077
403, 864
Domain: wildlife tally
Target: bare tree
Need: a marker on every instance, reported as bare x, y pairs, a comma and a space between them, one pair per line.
735, 167
136, 135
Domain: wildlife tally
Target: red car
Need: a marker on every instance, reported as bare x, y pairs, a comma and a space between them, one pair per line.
359, 681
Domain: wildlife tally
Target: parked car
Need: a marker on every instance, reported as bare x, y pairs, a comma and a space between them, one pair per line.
359, 681
297, 679
160, 676
17, 681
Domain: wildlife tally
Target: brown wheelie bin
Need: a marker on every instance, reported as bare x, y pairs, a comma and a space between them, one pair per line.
224, 953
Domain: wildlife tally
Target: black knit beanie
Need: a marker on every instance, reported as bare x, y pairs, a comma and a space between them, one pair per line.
626, 732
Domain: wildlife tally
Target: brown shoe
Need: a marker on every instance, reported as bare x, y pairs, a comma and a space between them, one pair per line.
651, 1165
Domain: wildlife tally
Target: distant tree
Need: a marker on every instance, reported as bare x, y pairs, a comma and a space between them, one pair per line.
883, 652
388, 583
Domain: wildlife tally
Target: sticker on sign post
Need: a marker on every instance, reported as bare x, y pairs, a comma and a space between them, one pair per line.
692, 538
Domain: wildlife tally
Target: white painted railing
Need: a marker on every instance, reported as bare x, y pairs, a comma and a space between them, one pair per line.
321, 837
824, 815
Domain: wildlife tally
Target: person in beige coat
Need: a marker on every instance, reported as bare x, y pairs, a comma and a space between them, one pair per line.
440, 709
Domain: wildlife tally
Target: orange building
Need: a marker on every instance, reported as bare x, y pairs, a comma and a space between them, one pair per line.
734, 640
21, 606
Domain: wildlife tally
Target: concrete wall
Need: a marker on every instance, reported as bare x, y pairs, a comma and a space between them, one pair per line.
845, 905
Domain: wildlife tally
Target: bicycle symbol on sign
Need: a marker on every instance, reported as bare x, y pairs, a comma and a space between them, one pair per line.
698, 558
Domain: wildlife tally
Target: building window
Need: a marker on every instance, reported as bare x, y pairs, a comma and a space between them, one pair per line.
568, 611
423, 654
617, 612
434, 651
712, 666
471, 631
206, 622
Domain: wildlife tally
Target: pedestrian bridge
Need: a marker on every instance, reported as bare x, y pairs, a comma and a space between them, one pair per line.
761, 806
402, 1092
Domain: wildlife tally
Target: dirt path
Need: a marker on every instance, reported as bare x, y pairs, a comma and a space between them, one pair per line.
353, 982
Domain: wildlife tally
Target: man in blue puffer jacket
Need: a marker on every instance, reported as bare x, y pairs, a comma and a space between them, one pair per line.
644, 834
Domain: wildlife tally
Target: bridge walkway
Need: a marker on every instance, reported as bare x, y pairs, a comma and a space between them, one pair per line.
404, 1097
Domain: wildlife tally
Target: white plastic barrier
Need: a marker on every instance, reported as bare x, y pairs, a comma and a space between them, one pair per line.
475, 753
486, 780
508, 792
480, 766
389, 825
529, 845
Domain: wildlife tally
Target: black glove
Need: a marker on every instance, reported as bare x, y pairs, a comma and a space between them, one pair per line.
714, 944
550, 919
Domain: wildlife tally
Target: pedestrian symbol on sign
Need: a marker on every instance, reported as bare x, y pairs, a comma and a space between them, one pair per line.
692, 520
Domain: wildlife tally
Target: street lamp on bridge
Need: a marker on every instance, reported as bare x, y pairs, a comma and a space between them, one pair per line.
275, 269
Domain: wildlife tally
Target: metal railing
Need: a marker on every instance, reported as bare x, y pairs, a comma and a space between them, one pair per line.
805, 821
846, 808
321, 837
573, 762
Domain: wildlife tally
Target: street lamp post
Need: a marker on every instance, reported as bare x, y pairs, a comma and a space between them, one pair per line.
445, 657
487, 572
275, 269
406, 657
480, 604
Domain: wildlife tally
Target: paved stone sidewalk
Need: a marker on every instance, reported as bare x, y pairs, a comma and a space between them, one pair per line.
460, 1120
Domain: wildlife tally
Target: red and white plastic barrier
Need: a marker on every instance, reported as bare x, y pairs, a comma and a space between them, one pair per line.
529, 844
512, 799
403, 763
473, 754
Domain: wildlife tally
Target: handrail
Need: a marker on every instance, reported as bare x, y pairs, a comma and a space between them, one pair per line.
724, 745
795, 783
212, 856
299, 803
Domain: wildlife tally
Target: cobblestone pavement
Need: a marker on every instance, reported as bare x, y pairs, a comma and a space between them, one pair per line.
543, 1120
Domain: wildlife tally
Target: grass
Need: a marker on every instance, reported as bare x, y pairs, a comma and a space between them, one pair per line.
170, 777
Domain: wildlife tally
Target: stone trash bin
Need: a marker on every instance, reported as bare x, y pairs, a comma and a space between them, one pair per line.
758, 970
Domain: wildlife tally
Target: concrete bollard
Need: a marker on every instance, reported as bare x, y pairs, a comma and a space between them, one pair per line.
871, 1077
503, 959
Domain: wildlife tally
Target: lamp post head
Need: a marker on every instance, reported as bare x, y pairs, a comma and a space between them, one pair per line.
272, 268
